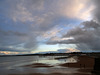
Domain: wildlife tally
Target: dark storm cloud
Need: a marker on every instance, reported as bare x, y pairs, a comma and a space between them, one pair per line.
96, 11
86, 36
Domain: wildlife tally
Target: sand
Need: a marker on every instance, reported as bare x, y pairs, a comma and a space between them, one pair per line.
83, 62
36, 65
53, 74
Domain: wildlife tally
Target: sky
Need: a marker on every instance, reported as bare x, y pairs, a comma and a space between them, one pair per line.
35, 26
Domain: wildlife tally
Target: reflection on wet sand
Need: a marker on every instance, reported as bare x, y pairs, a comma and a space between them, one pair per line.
53, 65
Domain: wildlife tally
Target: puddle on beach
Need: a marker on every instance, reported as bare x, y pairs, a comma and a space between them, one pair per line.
40, 65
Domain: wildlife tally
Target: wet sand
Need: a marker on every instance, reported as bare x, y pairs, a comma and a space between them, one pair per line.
52, 74
36, 65
84, 64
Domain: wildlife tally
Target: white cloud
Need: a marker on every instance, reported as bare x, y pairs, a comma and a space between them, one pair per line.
77, 9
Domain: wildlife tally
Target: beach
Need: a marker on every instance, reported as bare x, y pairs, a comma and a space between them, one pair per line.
49, 65
82, 62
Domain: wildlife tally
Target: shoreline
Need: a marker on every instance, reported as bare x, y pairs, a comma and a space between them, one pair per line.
83, 62
84, 69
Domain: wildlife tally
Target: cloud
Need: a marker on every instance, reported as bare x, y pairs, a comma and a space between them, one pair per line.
7, 53
56, 40
13, 50
23, 21
86, 36
7, 33
72, 9
96, 11
68, 50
